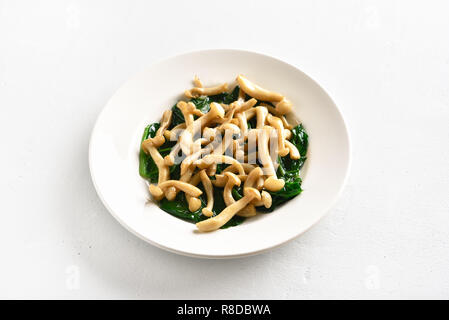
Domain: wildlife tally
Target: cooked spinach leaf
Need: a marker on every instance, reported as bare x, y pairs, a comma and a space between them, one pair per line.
226, 97
289, 170
203, 104
180, 208
147, 167
177, 117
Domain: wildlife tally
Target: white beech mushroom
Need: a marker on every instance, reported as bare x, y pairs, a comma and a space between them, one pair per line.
197, 82
265, 200
219, 220
272, 183
246, 167
262, 114
257, 92
171, 192
186, 138
207, 211
294, 153
215, 158
164, 172
201, 91
285, 123
194, 203
159, 138
251, 182
281, 108
221, 179
222, 135
185, 187
233, 180
282, 105
171, 135
278, 125
246, 105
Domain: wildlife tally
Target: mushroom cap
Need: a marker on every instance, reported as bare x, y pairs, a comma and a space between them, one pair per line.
216, 110
156, 192
252, 193
169, 160
266, 199
207, 212
274, 184
194, 204
233, 178
231, 127
284, 107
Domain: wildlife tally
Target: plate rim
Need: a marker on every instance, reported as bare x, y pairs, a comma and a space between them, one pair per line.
219, 256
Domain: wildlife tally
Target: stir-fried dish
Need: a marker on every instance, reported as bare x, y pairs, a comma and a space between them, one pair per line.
222, 156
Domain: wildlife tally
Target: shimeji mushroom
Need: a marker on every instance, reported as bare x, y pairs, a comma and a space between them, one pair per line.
159, 138
240, 144
186, 138
221, 179
232, 181
285, 122
278, 125
261, 113
197, 82
188, 111
255, 180
215, 158
207, 211
257, 92
219, 220
272, 183
164, 172
294, 153
194, 203
265, 200
201, 91
234, 169
243, 106
282, 105
171, 192
251, 182
183, 186
172, 134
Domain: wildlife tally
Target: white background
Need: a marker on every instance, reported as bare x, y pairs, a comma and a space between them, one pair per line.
385, 63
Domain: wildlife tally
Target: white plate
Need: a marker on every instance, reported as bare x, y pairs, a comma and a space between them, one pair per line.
115, 142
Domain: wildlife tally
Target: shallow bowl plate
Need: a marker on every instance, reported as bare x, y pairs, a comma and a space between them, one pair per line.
115, 142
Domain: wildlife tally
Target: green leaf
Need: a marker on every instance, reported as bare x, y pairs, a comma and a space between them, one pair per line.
177, 117
180, 208
147, 167
289, 170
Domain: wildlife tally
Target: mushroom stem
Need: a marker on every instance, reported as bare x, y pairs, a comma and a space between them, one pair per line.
207, 211
216, 158
271, 183
219, 220
233, 180
194, 203
257, 92
294, 153
197, 91
262, 114
183, 186
277, 123
164, 172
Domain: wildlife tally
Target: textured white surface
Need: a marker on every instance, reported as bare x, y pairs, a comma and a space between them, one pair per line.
385, 63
